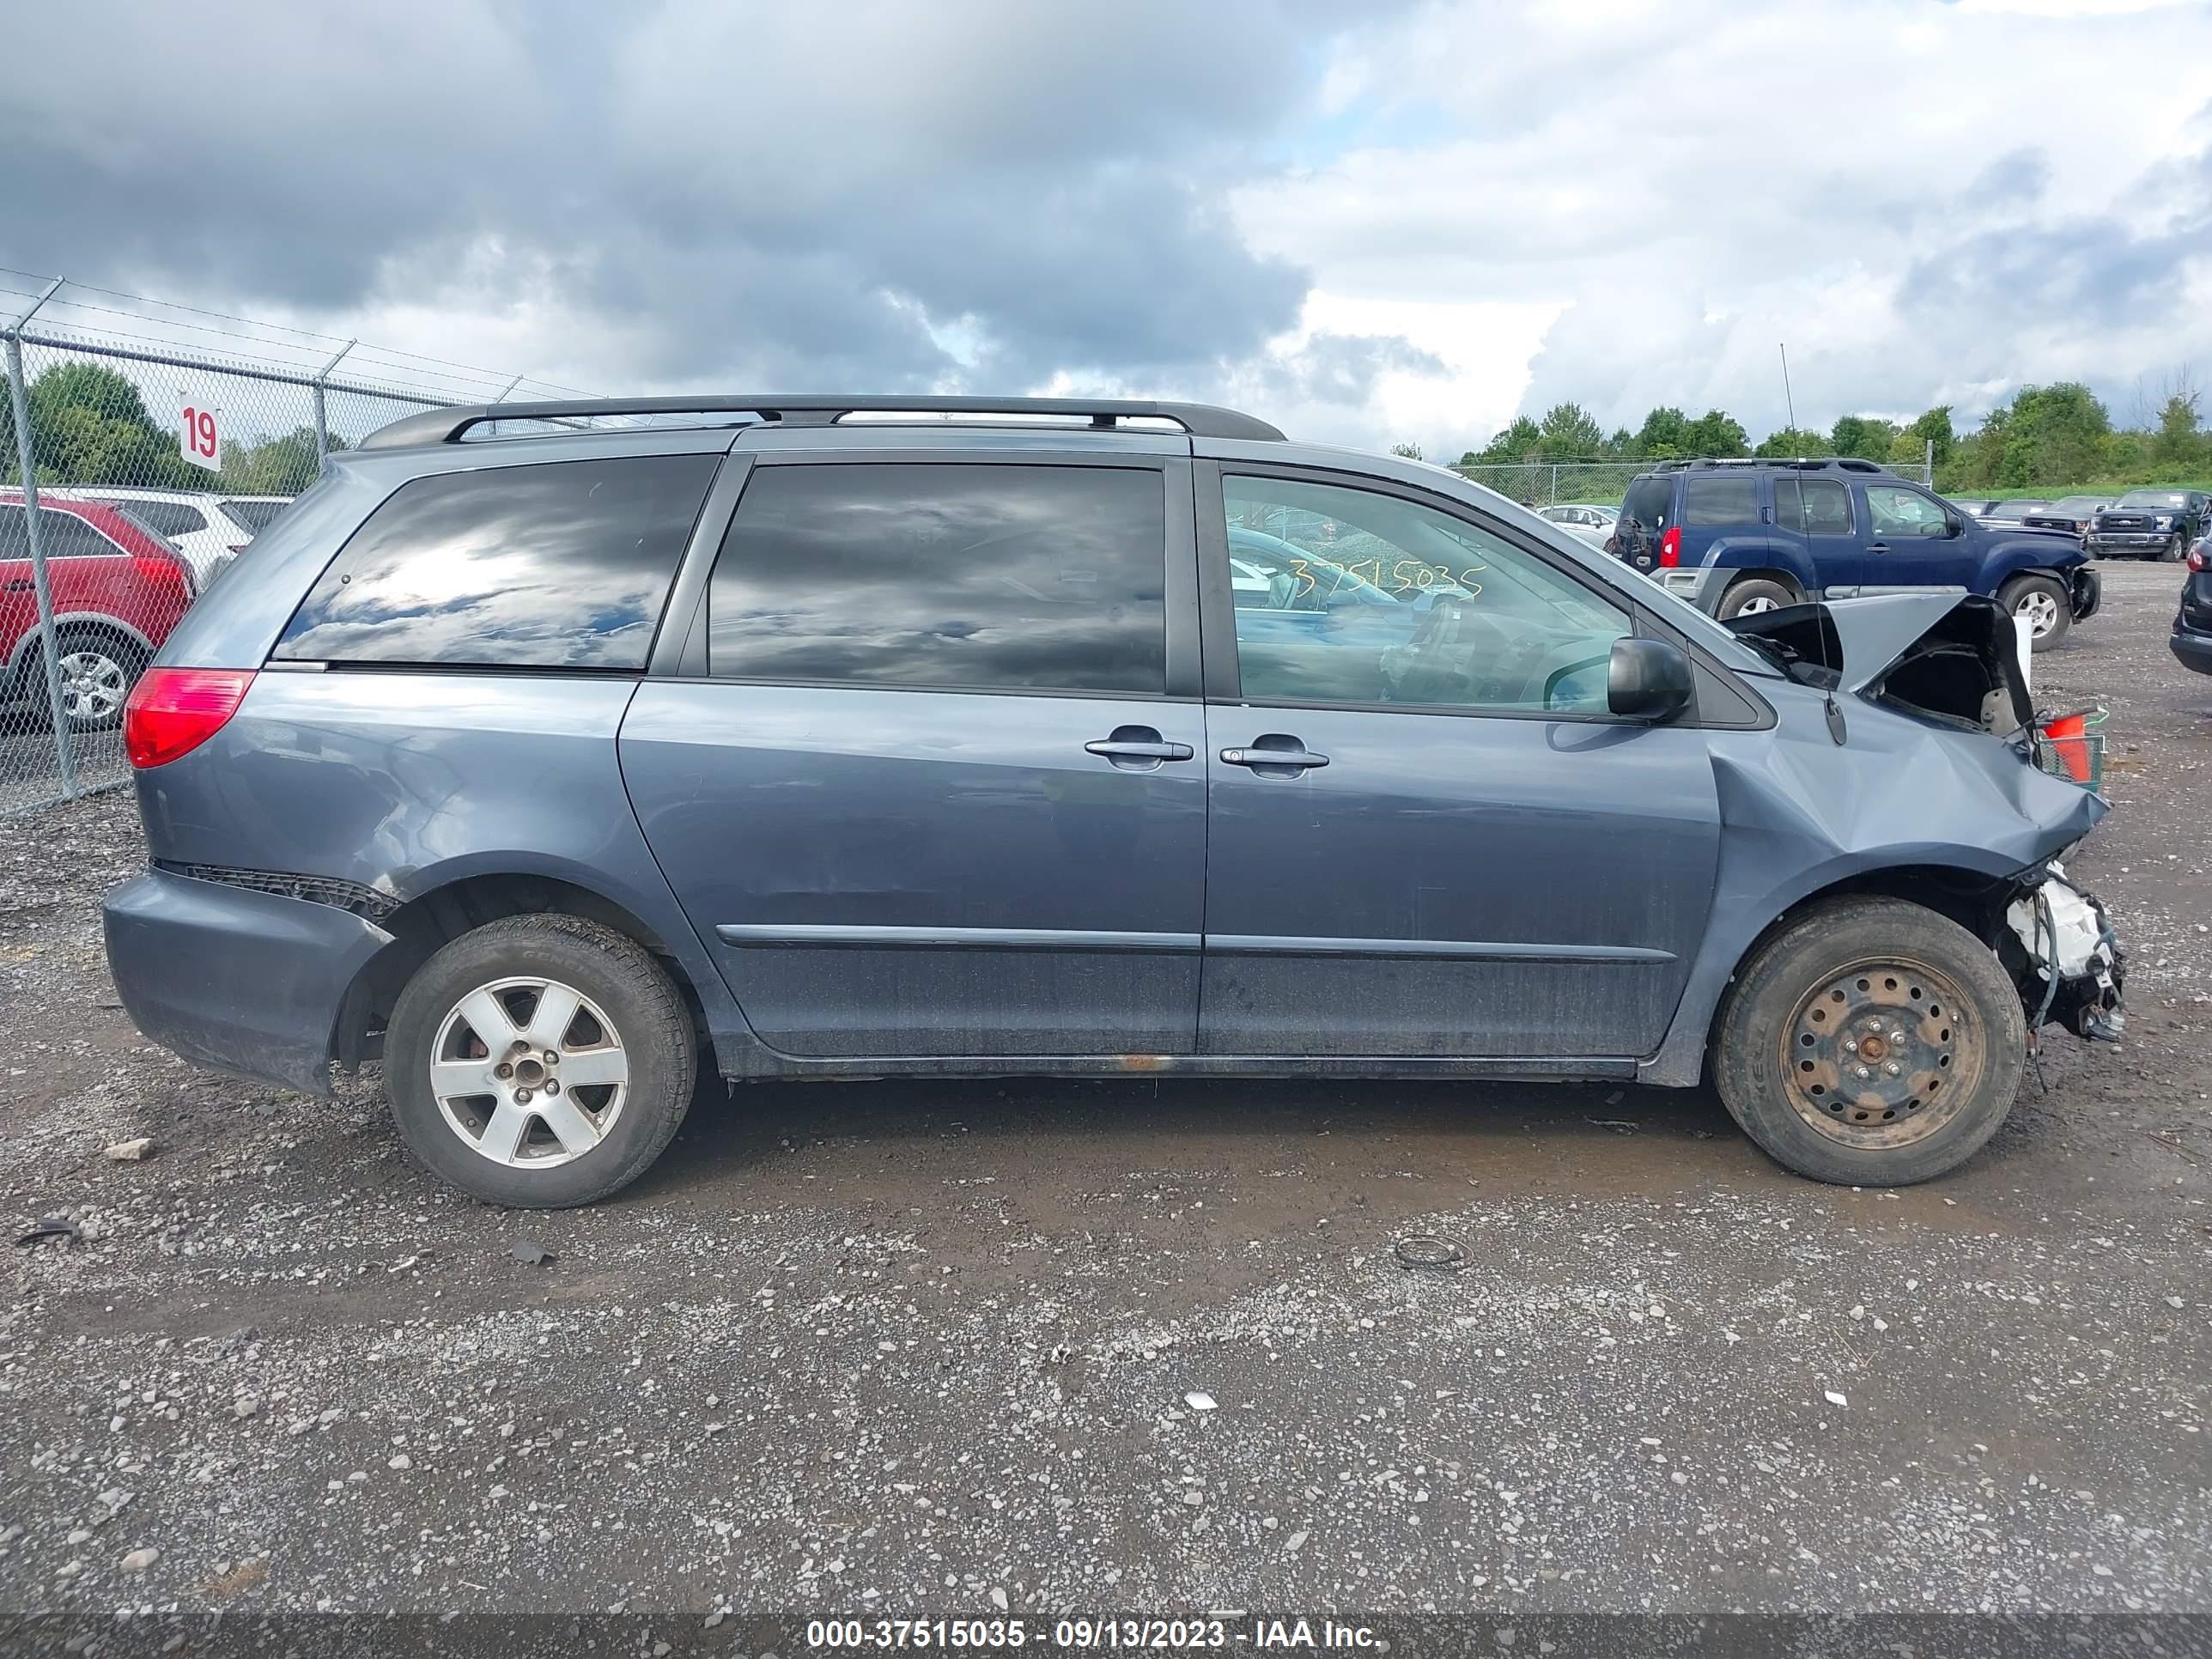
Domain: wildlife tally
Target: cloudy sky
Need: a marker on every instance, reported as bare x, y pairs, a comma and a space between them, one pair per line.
1371, 222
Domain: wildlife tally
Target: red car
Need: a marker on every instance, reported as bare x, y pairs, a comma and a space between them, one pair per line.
117, 590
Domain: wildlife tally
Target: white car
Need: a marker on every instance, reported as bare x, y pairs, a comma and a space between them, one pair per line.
1585, 515
208, 530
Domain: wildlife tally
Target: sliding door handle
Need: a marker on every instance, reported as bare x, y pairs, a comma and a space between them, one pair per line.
1137, 748
1262, 760
1157, 751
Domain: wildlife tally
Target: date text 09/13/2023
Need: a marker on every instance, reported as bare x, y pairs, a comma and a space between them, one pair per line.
1110, 1634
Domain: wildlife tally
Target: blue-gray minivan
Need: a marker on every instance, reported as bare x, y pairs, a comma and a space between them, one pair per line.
542, 754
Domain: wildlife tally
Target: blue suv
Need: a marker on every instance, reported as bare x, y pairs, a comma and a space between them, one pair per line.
1737, 537
548, 763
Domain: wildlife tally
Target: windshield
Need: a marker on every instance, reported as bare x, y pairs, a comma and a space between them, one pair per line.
2154, 498
2075, 504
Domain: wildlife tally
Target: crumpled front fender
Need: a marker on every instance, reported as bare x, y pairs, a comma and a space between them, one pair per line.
1802, 814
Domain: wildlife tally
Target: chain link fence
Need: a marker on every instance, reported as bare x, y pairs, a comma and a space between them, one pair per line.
1598, 484
143, 445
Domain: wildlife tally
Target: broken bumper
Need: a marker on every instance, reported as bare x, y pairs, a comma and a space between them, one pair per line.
243, 981
2074, 963
2086, 590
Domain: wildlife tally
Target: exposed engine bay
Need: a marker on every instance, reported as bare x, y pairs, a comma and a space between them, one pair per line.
1950, 658
2072, 963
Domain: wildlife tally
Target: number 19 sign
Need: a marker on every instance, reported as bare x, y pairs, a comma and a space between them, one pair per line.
200, 440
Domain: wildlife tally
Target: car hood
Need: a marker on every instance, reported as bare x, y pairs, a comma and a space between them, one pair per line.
1953, 652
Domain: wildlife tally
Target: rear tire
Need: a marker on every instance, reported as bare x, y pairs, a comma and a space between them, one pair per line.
2043, 601
1754, 594
1883, 986
98, 670
476, 1053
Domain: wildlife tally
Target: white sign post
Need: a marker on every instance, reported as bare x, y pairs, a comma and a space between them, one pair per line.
199, 439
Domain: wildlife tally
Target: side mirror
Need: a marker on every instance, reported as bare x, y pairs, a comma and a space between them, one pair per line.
1648, 680
1953, 525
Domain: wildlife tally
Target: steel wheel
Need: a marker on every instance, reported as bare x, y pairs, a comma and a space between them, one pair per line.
2040, 611
93, 685
1882, 1054
529, 1072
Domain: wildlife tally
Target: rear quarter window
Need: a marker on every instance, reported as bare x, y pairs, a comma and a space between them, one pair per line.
1715, 502
1650, 502
562, 565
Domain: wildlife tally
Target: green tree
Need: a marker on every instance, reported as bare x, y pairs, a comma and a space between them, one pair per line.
1568, 432
1934, 427
90, 426
1793, 442
1716, 434
1520, 441
1866, 436
1662, 436
2178, 444
2052, 435
287, 465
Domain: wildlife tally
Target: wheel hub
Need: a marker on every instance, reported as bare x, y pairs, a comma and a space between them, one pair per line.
1874, 1055
529, 1072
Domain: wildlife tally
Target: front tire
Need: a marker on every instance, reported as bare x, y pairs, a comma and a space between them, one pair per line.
2043, 603
539, 1061
1871, 1042
2174, 552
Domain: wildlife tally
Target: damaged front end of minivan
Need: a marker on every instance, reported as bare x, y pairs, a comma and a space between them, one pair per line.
1953, 661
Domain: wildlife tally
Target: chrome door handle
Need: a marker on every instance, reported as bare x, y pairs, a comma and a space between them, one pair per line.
1297, 759
1126, 751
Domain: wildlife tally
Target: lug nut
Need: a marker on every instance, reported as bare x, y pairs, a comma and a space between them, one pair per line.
1892, 1068
1850, 1045
552, 1085
1864, 1073
503, 1070
522, 1096
552, 1058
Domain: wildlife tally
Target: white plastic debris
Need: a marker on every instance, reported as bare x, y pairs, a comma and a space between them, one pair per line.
1199, 1401
1835, 1399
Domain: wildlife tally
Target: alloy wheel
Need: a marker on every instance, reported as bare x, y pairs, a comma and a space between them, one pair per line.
2040, 610
529, 1072
93, 685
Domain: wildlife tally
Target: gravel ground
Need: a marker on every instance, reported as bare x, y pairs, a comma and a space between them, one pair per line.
1124, 1346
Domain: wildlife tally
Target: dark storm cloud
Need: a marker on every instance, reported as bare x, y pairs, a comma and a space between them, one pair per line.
2126, 268
801, 193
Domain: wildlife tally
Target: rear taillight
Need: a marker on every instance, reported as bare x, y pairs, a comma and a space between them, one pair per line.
2199, 561
1670, 546
173, 711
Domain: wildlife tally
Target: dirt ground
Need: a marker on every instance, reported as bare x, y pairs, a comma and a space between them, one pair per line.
1126, 1346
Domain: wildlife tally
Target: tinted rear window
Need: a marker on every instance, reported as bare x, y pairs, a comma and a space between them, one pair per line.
1649, 502
982, 576
256, 516
168, 518
565, 565
1731, 500
61, 536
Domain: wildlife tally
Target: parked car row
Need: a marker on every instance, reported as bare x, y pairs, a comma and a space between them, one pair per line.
122, 566
2144, 524
1740, 538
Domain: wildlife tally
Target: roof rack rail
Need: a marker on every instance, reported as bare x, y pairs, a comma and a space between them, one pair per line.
1795, 463
446, 426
